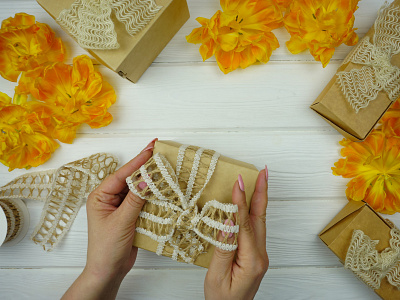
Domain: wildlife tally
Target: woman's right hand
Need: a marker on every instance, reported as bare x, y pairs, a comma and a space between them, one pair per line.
239, 277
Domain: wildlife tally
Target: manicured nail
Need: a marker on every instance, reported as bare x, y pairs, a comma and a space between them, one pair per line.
266, 173
225, 233
241, 183
142, 185
150, 146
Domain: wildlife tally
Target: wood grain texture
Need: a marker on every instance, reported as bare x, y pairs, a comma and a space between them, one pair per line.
282, 284
260, 115
299, 162
292, 239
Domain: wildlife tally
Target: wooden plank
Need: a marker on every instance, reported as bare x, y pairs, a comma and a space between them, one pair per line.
287, 283
299, 162
292, 241
195, 97
178, 50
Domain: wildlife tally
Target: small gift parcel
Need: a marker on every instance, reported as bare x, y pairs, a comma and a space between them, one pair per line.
368, 245
124, 35
188, 193
368, 81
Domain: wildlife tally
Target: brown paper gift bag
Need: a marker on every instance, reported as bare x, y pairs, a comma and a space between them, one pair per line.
338, 233
333, 106
136, 53
190, 225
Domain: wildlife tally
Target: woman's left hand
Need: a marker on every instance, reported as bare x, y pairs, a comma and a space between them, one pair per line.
112, 212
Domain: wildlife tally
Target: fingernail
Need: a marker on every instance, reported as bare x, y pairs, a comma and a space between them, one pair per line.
142, 185
150, 146
241, 183
231, 224
266, 173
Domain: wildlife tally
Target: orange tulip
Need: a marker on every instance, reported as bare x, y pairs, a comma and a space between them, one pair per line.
283, 4
391, 121
374, 166
26, 45
76, 94
320, 26
240, 35
23, 141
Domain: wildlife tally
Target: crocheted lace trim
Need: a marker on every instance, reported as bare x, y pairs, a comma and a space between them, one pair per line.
90, 23
171, 215
360, 86
369, 265
63, 190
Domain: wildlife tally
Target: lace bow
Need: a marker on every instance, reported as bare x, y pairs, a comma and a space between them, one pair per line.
89, 21
360, 86
171, 215
63, 190
369, 265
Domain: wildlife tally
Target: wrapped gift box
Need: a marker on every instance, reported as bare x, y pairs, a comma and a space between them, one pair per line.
136, 53
332, 105
218, 188
338, 233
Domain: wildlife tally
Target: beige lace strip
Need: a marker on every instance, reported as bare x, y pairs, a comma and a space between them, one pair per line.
63, 191
89, 21
369, 265
171, 215
360, 86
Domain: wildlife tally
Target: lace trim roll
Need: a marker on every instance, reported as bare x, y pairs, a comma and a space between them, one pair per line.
171, 215
63, 192
90, 23
360, 86
369, 265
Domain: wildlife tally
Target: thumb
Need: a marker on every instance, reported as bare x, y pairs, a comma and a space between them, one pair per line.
129, 210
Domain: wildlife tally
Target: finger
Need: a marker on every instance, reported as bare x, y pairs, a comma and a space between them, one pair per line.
246, 241
129, 210
258, 209
221, 263
116, 182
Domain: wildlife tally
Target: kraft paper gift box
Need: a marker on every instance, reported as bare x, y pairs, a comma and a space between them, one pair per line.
219, 188
136, 53
334, 108
356, 215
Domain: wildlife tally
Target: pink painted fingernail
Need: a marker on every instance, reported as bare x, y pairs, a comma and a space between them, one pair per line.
142, 185
241, 183
231, 224
266, 173
150, 146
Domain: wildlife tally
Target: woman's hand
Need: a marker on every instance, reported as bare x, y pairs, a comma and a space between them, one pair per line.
239, 277
112, 213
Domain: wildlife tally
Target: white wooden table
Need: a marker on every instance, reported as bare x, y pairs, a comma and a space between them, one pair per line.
260, 115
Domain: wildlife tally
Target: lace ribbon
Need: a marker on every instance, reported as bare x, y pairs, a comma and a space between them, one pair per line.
171, 215
377, 74
63, 191
369, 265
90, 23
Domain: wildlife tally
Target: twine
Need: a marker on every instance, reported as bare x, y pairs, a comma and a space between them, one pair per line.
14, 218
171, 215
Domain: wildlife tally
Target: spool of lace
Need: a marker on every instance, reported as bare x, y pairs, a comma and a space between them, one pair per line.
14, 221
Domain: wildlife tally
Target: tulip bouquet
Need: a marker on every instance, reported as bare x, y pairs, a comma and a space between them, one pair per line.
241, 34
51, 99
